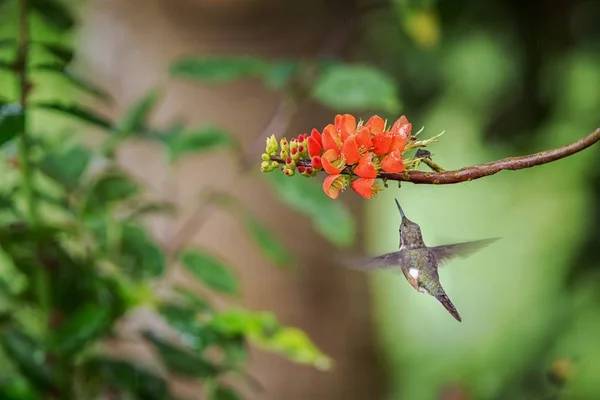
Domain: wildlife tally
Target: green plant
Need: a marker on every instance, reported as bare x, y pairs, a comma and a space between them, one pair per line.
77, 259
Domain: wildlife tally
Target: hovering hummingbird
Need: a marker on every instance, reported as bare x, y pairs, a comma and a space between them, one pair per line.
419, 263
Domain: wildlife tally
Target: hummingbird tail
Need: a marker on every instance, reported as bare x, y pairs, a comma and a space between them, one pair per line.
445, 300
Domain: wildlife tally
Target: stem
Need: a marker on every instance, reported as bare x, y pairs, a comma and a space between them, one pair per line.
23, 91
481, 170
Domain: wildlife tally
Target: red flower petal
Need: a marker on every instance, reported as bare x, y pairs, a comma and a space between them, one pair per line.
314, 147
393, 162
398, 143
365, 187
328, 159
333, 184
350, 151
365, 167
346, 125
315, 133
328, 187
382, 143
399, 124
330, 138
316, 162
376, 124
363, 139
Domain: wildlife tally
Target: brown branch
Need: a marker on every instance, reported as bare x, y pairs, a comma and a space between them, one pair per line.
481, 170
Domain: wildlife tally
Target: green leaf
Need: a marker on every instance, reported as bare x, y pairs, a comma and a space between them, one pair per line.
11, 122
28, 356
210, 271
136, 117
128, 376
330, 218
225, 393
268, 242
280, 73
76, 80
213, 69
54, 13
77, 112
112, 186
63, 53
7, 42
264, 331
88, 323
180, 361
67, 165
140, 256
6, 65
203, 139
355, 87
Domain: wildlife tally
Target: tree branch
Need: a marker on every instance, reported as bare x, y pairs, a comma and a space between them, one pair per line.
482, 170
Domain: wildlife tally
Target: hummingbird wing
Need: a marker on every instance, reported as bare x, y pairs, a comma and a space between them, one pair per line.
388, 260
447, 252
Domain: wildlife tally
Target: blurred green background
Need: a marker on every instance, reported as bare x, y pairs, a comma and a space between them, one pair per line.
501, 78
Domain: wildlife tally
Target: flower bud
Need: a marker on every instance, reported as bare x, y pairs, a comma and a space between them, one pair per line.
265, 157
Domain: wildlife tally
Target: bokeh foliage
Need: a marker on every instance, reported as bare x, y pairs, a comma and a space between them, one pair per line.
77, 259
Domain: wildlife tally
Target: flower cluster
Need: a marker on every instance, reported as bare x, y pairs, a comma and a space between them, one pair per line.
352, 154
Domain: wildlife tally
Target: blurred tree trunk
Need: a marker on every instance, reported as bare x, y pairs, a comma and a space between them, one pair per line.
127, 46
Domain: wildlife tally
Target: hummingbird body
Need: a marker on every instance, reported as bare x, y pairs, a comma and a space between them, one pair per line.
420, 263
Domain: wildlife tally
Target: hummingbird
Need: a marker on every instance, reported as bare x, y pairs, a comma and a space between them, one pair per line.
420, 263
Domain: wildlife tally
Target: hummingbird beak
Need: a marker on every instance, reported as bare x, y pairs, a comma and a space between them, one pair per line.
400, 209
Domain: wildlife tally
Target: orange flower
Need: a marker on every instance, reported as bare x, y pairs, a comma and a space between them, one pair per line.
332, 162
375, 124
345, 125
315, 133
365, 187
314, 147
366, 168
363, 139
350, 150
381, 143
393, 162
331, 138
333, 184
401, 132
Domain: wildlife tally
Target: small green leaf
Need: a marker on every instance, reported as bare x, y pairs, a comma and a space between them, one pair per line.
6, 65
67, 166
77, 81
203, 139
112, 186
268, 243
210, 271
280, 73
28, 356
11, 122
217, 69
128, 376
136, 118
88, 322
7, 42
61, 52
264, 331
140, 256
54, 13
225, 393
181, 361
330, 218
355, 87
77, 112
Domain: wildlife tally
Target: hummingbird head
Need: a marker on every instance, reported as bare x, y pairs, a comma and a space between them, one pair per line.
410, 232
